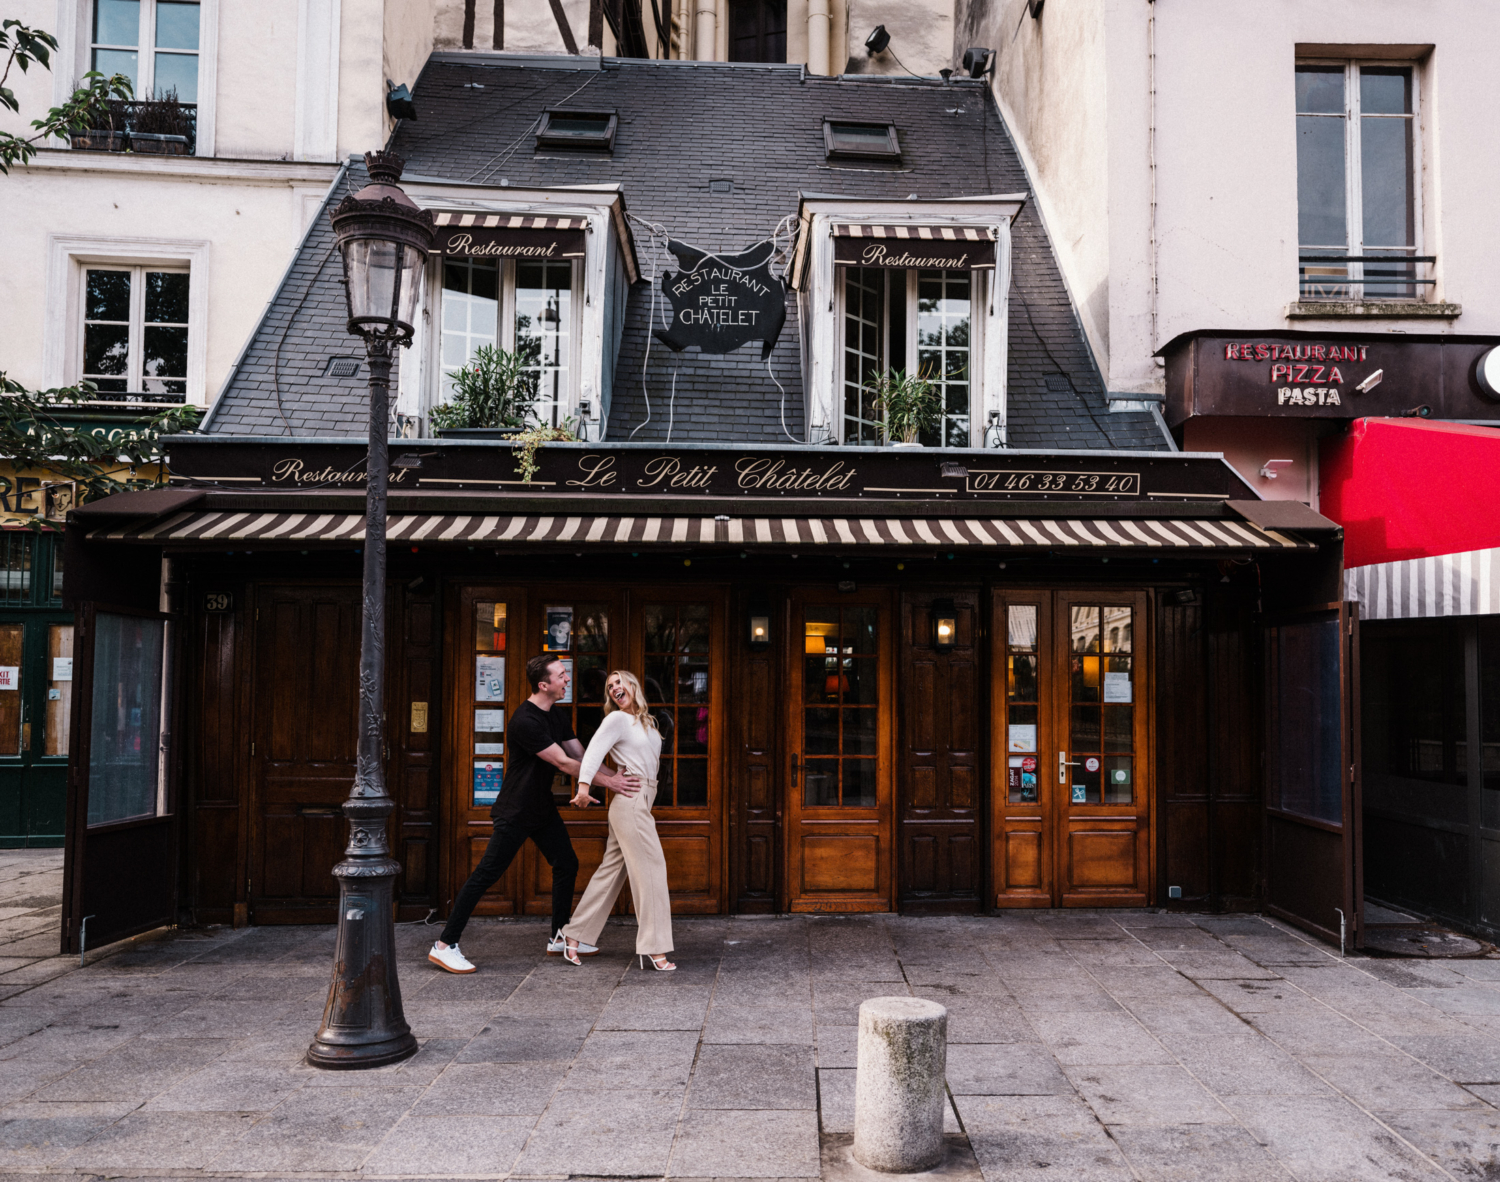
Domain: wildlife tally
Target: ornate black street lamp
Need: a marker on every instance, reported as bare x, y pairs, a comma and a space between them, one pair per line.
384, 239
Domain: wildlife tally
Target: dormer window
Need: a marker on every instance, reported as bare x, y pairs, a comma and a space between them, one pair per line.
860, 141
911, 286
577, 131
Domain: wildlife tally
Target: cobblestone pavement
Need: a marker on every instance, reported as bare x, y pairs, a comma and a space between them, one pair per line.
1083, 1046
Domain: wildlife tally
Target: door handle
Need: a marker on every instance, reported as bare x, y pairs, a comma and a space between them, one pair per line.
1063, 764
794, 769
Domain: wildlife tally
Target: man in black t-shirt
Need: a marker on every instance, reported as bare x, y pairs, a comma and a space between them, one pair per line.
538, 741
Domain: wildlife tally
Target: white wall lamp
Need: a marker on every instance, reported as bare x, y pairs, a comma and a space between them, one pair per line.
1269, 468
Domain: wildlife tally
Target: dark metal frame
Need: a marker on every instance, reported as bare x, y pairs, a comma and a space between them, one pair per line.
833, 151
554, 140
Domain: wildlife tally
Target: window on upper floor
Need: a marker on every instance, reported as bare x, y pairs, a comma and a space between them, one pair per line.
154, 43
135, 333
757, 30
521, 306
1358, 193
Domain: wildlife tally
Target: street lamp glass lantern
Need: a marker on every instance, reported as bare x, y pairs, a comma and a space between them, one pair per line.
384, 238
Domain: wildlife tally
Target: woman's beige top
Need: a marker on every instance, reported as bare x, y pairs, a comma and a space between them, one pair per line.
636, 749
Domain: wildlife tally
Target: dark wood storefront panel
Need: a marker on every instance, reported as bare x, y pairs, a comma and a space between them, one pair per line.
1312, 801
940, 865
1071, 742
755, 799
840, 806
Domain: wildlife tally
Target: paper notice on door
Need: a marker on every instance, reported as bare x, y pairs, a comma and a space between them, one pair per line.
487, 779
10, 677
1117, 687
489, 748
1022, 737
489, 720
489, 683
62, 668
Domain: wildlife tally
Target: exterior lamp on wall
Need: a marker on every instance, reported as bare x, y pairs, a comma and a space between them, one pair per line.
944, 625
384, 238
760, 627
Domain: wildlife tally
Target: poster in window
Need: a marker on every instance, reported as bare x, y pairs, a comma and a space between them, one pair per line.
1117, 687
487, 780
1021, 737
559, 638
489, 683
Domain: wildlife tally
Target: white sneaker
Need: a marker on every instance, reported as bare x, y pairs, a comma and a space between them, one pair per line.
555, 947
450, 958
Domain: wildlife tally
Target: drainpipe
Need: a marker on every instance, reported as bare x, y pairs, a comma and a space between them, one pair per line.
705, 31
819, 34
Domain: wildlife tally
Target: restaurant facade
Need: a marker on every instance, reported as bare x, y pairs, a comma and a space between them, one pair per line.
1044, 659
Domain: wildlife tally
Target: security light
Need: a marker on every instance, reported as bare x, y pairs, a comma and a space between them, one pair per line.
877, 40
979, 62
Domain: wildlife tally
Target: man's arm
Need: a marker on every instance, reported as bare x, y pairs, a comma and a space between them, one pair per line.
567, 756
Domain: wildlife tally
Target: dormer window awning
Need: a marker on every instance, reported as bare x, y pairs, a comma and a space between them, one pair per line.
509, 236
953, 247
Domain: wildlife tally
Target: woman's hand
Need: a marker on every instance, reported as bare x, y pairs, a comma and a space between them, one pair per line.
582, 799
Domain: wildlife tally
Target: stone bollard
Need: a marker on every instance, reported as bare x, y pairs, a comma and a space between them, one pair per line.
901, 1084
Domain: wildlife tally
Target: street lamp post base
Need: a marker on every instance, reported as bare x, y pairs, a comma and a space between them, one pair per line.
363, 1025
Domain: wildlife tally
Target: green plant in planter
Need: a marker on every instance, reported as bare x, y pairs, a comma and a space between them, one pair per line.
906, 402
164, 115
532, 438
493, 389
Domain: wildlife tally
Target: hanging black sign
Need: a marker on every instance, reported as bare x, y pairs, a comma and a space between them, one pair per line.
721, 302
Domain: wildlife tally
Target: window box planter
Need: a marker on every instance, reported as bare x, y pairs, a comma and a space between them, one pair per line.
151, 144
477, 432
99, 140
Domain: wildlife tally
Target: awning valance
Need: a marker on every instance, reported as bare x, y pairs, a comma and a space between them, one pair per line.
1157, 534
505, 236
950, 247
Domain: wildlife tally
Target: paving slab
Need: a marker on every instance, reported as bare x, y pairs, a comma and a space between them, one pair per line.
1157, 1095
1328, 1139
1195, 1152
591, 1132
447, 1145
1040, 1139
743, 1078
1009, 1069
719, 1144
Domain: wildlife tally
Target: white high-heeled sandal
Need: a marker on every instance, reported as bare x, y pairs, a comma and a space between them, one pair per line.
570, 951
666, 966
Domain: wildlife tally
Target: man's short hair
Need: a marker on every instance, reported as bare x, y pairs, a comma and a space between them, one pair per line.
536, 670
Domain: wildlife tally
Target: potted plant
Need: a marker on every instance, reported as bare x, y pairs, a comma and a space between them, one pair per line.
110, 130
907, 403
492, 394
161, 127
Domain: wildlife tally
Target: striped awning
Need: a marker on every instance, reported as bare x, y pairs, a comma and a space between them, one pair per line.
213, 527
1465, 584
922, 233
491, 221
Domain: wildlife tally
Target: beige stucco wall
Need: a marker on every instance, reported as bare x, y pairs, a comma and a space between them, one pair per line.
257, 80
1075, 87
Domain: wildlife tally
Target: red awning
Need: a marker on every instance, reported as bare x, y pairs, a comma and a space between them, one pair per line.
1421, 523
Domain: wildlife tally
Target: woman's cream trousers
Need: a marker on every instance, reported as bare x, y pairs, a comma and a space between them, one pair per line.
633, 849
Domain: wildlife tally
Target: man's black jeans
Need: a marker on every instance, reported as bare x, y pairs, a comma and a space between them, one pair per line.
551, 837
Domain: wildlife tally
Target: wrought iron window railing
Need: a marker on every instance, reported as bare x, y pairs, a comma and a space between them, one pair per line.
1378, 275
144, 127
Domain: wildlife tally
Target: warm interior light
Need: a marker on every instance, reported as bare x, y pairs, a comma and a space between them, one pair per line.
760, 631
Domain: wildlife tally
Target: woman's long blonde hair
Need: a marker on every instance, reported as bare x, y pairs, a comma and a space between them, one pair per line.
638, 705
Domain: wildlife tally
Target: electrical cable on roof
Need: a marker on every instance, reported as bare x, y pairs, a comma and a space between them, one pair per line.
497, 161
902, 64
276, 357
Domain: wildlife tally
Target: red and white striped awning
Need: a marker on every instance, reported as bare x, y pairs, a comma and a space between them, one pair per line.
239, 526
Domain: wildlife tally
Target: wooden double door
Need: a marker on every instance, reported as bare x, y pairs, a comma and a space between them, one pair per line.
1070, 749
674, 640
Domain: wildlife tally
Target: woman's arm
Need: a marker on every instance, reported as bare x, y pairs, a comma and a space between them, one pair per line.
590, 768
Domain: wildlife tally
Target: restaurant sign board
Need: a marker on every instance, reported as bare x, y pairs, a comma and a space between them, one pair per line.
1326, 376
720, 302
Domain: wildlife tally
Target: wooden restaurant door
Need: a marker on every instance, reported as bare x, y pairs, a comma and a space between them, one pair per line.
1071, 749
840, 798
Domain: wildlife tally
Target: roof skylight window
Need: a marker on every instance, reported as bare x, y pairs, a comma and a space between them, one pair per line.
862, 141
588, 131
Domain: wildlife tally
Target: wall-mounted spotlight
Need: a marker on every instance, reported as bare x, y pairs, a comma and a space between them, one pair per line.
877, 40
1270, 468
398, 102
979, 62
944, 625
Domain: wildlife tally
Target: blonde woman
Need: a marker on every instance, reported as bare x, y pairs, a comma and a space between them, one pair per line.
629, 737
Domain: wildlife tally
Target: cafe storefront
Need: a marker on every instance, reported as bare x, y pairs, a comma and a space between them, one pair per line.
932, 682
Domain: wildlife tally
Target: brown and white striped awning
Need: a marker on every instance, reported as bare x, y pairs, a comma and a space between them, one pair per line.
505, 235
951, 247
215, 527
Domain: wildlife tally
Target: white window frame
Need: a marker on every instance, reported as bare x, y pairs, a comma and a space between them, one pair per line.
978, 295
69, 256
1354, 211
608, 245
75, 38
821, 303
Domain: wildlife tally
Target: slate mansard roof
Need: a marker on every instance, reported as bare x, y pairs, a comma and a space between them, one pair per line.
684, 130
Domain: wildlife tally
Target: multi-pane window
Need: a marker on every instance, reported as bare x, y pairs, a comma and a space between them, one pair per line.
678, 687
1357, 188
1101, 710
840, 706
917, 321
1022, 702
490, 717
152, 42
520, 307
578, 636
135, 332
757, 30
